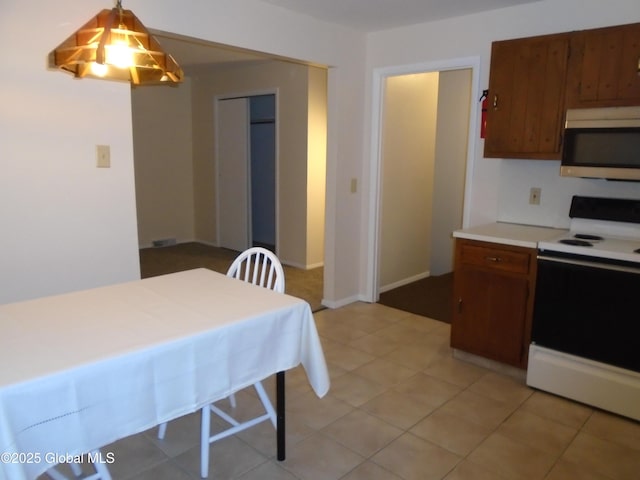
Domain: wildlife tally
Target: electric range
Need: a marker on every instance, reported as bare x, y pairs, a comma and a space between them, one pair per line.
585, 336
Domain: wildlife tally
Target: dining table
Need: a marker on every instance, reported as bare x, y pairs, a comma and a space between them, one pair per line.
81, 370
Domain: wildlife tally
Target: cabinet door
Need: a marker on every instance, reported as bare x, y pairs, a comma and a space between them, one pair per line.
527, 84
489, 315
604, 69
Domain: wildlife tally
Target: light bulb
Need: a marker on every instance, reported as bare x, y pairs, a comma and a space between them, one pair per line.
119, 55
98, 69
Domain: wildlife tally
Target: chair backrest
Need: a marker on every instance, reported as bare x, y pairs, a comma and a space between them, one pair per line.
259, 266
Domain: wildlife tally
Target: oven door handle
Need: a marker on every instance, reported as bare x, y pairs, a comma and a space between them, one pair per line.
584, 263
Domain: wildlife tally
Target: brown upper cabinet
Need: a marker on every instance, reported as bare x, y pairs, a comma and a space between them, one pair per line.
604, 67
532, 81
527, 84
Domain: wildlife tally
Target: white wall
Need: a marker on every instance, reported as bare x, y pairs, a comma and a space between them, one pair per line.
499, 188
163, 156
316, 166
450, 166
298, 209
258, 26
68, 225
424, 150
408, 156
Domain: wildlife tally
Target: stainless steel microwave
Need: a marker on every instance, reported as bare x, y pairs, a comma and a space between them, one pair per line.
602, 143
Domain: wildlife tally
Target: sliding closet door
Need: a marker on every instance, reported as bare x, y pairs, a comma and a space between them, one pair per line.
233, 173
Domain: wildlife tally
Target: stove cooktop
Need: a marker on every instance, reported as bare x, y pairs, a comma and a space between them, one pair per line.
616, 248
601, 227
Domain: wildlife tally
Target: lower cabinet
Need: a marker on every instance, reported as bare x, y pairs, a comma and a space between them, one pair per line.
493, 300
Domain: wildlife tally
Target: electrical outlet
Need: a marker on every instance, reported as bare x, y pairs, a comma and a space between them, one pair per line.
534, 196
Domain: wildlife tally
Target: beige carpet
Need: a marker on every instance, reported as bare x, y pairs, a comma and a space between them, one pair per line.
305, 284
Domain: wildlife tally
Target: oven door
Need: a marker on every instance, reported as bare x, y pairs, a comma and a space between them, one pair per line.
588, 307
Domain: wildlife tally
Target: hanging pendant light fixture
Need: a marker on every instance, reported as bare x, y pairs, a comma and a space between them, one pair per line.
115, 45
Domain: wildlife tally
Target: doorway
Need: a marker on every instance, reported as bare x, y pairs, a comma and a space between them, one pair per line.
246, 173
182, 154
388, 168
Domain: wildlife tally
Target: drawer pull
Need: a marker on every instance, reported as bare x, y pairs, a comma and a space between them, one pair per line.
493, 259
459, 304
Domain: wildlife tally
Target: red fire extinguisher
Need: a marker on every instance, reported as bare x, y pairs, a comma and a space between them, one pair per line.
483, 117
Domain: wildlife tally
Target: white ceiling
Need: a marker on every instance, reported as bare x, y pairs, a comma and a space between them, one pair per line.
363, 15
373, 15
192, 54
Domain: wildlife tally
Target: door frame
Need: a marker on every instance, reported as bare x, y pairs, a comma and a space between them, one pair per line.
372, 293
247, 94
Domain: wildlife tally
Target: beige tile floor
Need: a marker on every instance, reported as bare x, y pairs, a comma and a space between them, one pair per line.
400, 407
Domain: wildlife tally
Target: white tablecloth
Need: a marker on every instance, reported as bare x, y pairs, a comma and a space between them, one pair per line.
82, 370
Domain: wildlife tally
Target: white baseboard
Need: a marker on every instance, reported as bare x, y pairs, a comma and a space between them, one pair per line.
210, 244
178, 242
404, 281
300, 266
342, 302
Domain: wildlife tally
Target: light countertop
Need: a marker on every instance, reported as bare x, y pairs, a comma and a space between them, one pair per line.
510, 234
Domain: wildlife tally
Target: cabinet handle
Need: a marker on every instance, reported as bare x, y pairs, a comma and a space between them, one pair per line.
638, 67
495, 102
493, 259
459, 304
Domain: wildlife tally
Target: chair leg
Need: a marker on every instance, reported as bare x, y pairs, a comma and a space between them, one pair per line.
76, 469
101, 473
55, 474
162, 430
204, 441
205, 431
266, 402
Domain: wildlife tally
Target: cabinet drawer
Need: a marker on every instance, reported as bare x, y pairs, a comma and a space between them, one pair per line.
495, 258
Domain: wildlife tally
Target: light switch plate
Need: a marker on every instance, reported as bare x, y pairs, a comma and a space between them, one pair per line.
103, 156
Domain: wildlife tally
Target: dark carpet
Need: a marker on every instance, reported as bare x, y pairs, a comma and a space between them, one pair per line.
430, 297
305, 284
